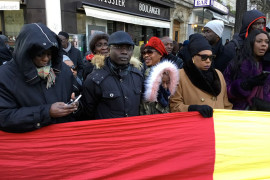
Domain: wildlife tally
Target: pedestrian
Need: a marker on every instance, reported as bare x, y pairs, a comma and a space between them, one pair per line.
213, 31
201, 87
5, 54
114, 88
98, 45
251, 20
247, 76
168, 43
35, 86
73, 53
5, 39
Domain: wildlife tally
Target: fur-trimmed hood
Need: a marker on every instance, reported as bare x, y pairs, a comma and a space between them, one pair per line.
154, 79
99, 61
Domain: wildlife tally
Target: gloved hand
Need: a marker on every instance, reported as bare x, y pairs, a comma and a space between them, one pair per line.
205, 110
260, 105
250, 83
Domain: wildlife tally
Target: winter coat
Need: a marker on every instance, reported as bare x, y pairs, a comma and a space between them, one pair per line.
193, 89
75, 55
222, 59
175, 59
241, 98
25, 101
87, 65
152, 92
107, 94
5, 54
238, 39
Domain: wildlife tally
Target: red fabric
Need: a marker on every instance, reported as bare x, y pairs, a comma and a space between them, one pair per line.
157, 44
89, 57
166, 146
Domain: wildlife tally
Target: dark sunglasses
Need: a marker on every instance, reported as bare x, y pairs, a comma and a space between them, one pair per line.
205, 57
149, 52
74, 68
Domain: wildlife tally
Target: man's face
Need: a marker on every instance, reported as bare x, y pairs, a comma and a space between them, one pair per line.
259, 24
64, 41
168, 43
121, 54
211, 37
43, 59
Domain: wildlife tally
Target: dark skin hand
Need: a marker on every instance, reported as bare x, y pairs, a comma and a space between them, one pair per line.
60, 109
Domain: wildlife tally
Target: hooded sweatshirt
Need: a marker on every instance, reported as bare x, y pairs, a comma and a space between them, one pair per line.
25, 101
5, 54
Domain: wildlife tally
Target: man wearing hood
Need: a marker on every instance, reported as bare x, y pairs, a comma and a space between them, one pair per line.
252, 19
36, 85
114, 87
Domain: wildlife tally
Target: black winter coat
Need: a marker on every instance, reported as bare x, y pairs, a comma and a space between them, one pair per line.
107, 94
75, 55
24, 99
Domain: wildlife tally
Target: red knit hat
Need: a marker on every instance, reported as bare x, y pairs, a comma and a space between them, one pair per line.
157, 44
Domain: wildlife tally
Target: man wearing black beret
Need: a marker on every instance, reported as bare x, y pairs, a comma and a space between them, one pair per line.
114, 87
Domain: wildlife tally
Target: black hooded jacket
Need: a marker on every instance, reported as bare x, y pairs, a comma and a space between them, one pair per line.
5, 54
238, 40
24, 99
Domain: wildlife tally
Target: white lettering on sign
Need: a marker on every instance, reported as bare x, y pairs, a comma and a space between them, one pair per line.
9, 5
200, 3
149, 9
114, 2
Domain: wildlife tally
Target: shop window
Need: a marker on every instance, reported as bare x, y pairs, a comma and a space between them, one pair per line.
14, 20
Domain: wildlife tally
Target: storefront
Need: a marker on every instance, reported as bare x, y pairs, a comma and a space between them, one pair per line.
205, 11
142, 19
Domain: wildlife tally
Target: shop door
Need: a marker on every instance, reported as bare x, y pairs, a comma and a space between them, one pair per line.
176, 30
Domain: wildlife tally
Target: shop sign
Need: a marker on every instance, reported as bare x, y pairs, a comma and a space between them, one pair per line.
9, 5
133, 7
202, 3
212, 4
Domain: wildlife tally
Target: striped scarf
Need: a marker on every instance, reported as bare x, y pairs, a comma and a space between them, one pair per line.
47, 72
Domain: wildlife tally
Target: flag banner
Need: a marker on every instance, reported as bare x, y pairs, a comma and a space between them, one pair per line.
231, 145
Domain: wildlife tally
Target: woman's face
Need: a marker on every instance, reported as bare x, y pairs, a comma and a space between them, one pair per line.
203, 60
261, 44
43, 59
151, 57
102, 47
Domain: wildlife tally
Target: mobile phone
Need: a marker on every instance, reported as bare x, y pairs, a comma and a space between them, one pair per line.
77, 99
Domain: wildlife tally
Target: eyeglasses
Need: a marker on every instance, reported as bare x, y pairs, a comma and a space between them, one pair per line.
102, 45
122, 47
205, 57
149, 52
74, 68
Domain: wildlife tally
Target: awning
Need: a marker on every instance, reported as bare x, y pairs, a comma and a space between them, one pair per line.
218, 16
10, 5
121, 17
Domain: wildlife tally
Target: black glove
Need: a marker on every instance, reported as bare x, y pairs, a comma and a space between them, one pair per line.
205, 110
250, 83
260, 105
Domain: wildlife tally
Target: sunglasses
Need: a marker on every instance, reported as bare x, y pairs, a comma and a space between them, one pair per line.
149, 52
205, 57
74, 68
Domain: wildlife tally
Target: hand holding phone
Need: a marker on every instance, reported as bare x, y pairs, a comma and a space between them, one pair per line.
76, 100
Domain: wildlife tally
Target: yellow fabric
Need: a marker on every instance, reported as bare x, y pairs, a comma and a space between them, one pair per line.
242, 145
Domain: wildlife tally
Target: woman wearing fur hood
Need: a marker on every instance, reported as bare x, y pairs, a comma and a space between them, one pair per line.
201, 87
161, 79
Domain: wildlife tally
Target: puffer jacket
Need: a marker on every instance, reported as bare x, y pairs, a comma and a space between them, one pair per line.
24, 99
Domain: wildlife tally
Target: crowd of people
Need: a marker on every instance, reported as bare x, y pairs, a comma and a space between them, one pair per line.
43, 76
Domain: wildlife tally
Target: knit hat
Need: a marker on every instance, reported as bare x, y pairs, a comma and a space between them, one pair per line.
157, 44
198, 43
120, 37
62, 33
217, 26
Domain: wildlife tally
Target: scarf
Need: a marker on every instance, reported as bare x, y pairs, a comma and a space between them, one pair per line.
47, 72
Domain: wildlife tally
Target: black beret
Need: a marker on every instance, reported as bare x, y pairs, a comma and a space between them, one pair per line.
198, 43
120, 37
